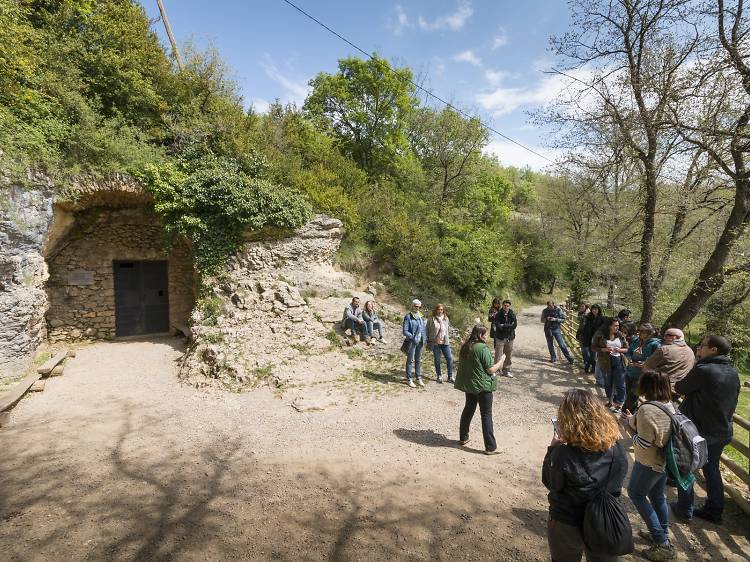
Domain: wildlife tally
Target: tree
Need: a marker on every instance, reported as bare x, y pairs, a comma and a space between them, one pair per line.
717, 122
366, 106
625, 58
449, 147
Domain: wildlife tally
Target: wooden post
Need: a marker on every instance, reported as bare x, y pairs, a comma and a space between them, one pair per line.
177, 56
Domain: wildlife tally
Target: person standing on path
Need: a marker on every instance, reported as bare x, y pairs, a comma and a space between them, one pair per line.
494, 309
711, 390
583, 459
583, 312
505, 324
674, 358
594, 321
610, 344
552, 318
414, 332
648, 479
639, 350
476, 379
438, 340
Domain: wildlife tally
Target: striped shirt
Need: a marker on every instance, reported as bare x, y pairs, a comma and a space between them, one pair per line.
653, 427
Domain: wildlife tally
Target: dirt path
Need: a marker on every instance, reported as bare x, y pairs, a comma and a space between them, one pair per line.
117, 461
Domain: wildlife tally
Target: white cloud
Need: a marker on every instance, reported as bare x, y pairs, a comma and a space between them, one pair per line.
500, 40
468, 56
296, 90
495, 76
260, 105
513, 155
400, 22
454, 21
503, 100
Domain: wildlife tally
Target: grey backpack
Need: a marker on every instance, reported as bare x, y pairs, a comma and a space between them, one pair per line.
689, 448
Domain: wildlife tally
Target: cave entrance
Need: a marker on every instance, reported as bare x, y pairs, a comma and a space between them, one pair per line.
141, 297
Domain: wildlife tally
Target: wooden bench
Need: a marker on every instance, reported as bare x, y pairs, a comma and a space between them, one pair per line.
51, 363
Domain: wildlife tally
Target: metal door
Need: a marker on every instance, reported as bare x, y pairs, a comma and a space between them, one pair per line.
141, 297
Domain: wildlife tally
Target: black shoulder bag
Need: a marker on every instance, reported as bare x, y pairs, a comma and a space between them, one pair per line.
606, 527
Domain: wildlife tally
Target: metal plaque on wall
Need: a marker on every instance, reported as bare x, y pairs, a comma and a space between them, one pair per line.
80, 277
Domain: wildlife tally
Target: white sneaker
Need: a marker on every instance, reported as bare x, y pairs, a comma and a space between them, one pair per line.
419, 382
411, 384
382, 340
508, 374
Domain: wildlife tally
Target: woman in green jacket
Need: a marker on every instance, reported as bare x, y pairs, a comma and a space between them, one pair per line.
476, 379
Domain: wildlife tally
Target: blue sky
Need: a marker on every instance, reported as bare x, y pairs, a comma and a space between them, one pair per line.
486, 56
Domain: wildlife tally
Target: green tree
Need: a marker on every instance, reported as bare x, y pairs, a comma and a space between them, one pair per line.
365, 105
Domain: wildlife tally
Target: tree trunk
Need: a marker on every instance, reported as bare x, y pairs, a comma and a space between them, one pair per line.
711, 277
647, 243
552, 287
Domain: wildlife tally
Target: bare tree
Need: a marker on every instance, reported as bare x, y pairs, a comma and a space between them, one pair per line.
715, 119
624, 59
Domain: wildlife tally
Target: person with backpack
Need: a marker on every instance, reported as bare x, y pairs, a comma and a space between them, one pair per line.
504, 324
476, 378
639, 350
652, 427
553, 318
583, 461
711, 390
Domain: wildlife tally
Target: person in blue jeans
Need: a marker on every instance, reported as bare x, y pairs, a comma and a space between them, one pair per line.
651, 428
552, 318
370, 316
414, 333
438, 339
610, 345
711, 390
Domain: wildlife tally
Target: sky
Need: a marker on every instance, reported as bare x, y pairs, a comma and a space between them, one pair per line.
487, 57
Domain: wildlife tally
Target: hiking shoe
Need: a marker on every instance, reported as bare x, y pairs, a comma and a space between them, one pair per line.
495, 452
419, 382
679, 514
451, 381
411, 384
616, 408
508, 374
659, 552
708, 516
439, 381
355, 338
463, 442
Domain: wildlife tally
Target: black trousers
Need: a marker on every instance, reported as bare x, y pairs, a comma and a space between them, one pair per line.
484, 399
566, 544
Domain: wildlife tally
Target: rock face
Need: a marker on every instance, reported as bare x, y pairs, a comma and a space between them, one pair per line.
25, 218
258, 317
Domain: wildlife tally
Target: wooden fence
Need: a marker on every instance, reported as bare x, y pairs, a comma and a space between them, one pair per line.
569, 329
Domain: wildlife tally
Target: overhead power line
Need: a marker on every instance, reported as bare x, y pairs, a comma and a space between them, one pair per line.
419, 87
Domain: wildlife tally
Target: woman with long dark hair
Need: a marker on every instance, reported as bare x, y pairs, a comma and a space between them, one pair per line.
640, 349
584, 458
610, 345
476, 379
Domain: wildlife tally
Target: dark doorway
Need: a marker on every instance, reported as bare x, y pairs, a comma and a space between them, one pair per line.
141, 297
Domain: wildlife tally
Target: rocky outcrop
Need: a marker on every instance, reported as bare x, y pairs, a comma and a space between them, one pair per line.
25, 218
258, 317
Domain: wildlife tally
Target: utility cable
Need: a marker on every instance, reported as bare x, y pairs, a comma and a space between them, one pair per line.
419, 87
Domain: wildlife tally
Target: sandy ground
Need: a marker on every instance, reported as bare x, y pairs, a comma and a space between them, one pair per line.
118, 461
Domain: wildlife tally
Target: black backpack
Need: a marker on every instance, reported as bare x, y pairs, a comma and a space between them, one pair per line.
689, 448
606, 527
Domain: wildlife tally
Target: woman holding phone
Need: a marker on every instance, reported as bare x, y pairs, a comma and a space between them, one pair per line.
584, 457
610, 345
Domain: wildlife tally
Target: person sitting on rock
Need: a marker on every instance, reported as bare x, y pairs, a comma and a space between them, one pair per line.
353, 320
370, 316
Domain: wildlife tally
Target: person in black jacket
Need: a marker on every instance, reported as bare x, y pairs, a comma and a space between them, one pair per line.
594, 321
583, 459
711, 390
504, 323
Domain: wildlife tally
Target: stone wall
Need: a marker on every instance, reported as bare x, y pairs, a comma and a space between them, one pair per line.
259, 318
81, 283
25, 217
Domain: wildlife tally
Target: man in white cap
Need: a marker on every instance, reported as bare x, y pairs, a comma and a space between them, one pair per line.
674, 358
414, 332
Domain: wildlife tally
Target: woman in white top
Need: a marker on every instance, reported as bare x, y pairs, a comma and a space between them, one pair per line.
610, 344
438, 339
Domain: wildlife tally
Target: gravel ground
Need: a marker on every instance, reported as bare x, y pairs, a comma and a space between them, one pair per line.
116, 460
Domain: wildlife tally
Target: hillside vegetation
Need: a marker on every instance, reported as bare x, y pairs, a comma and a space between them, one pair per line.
639, 207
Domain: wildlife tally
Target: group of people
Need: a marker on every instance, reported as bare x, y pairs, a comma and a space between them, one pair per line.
649, 383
